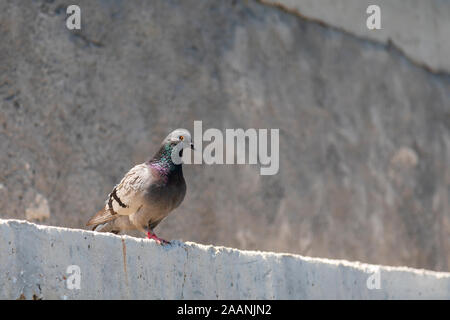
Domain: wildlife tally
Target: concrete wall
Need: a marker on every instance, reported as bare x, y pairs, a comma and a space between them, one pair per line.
364, 132
34, 261
419, 28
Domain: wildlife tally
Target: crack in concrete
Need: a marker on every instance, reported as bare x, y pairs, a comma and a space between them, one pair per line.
88, 42
124, 254
184, 272
390, 44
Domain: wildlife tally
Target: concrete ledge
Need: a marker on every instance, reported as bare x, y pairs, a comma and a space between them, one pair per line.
34, 261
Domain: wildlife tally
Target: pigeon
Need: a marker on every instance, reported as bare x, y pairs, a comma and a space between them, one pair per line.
148, 192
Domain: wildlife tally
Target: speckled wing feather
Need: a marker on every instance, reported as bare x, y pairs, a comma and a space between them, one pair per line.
127, 197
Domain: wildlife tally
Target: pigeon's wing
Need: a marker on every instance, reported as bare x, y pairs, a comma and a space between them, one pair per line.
100, 217
126, 197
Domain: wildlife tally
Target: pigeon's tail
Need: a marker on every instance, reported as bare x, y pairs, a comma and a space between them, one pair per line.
105, 227
100, 217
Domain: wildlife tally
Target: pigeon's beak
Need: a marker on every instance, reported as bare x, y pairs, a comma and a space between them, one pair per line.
192, 146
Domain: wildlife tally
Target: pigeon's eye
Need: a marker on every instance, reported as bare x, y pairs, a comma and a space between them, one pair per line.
181, 138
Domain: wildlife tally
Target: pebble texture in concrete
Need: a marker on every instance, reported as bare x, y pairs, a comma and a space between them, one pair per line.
34, 261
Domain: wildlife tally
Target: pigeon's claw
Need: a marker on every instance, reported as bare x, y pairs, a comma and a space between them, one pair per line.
158, 240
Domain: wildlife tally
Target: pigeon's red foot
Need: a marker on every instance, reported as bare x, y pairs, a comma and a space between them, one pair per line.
158, 240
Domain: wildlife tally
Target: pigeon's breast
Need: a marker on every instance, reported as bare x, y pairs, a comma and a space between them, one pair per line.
163, 196
167, 196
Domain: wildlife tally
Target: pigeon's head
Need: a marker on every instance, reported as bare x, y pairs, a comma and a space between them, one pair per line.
175, 143
171, 151
180, 138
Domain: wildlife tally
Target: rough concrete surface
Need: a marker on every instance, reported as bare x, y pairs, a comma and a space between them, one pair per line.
121, 267
420, 28
364, 132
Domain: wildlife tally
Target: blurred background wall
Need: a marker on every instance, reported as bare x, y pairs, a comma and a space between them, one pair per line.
364, 119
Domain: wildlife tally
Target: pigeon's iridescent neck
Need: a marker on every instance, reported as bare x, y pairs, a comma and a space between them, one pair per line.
162, 169
162, 161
